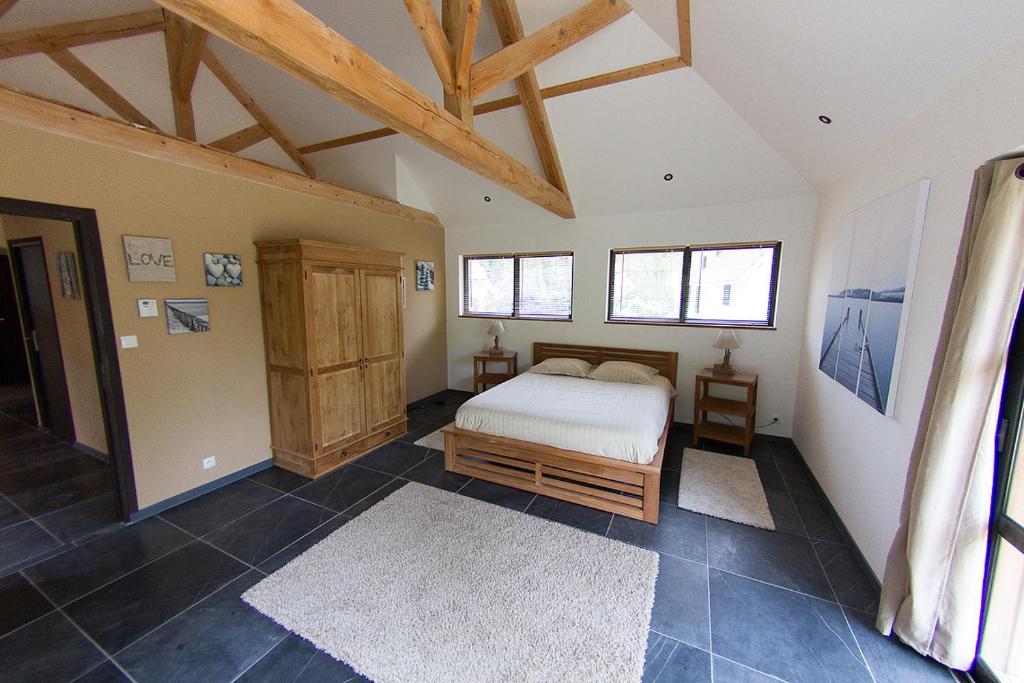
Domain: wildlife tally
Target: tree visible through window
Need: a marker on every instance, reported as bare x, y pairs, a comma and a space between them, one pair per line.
537, 286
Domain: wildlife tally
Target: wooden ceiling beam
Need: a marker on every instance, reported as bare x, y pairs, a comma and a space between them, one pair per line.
191, 52
59, 119
175, 33
463, 45
6, 6
247, 101
601, 80
434, 40
510, 30
103, 91
514, 60
45, 39
242, 139
685, 40
287, 36
459, 19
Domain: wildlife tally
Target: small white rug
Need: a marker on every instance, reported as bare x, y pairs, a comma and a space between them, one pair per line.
429, 585
723, 486
434, 439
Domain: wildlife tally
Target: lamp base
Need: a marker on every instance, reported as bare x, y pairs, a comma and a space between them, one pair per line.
723, 369
496, 351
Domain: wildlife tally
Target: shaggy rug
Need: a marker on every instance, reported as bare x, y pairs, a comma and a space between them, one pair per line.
723, 486
429, 585
434, 439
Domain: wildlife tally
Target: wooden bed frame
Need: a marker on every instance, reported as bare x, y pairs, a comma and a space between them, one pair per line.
617, 486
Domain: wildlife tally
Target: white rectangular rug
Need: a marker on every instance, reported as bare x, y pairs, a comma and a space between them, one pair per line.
429, 585
434, 439
723, 486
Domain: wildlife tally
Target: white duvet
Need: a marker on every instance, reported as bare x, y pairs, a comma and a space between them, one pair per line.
610, 419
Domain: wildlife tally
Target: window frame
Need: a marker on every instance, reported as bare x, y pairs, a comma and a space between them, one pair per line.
516, 313
688, 250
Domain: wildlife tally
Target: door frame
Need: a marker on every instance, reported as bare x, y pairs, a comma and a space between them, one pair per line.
43, 404
101, 332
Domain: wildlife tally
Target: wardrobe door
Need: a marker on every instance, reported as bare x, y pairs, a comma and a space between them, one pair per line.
337, 348
384, 378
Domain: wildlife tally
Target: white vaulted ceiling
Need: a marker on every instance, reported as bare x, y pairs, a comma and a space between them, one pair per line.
741, 125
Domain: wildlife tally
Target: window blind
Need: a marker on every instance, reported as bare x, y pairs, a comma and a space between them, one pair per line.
532, 286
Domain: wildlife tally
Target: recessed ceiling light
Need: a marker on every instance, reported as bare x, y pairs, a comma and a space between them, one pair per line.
487, 197
668, 176
825, 119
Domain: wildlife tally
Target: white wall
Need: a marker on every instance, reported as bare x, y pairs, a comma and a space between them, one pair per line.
859, 456
771, 353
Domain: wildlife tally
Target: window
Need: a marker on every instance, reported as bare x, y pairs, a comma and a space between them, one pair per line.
730, 285
528, 286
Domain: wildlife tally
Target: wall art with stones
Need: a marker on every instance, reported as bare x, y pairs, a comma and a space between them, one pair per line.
223, 270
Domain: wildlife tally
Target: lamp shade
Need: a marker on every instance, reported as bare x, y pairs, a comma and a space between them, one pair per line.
726, 339
496, 329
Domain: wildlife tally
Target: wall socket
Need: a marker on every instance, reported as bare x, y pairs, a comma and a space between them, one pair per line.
209, 462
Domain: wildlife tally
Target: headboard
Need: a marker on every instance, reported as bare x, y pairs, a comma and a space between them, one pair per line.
665, 361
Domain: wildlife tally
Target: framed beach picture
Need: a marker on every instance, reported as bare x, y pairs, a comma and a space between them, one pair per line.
185, 316
869, 295
425, 276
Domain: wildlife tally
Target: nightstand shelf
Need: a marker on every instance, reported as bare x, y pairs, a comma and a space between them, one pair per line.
704, 403
483, 377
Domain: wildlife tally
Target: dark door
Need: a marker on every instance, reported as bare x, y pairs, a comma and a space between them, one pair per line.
14, 367
39, 325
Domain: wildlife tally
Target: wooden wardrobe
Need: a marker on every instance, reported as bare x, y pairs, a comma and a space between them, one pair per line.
332, 328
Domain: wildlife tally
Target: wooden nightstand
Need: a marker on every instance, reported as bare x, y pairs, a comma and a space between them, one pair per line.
483, 378
704, 403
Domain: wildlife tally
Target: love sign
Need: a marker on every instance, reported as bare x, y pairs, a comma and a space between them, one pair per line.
149, 259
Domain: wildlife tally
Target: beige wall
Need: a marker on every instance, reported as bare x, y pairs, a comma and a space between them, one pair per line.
859, 456
192, 396
72, 326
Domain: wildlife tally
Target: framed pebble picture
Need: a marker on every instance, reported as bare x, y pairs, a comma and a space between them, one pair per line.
223, 270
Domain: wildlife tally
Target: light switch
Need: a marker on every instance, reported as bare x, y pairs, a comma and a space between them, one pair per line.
147, 308
130, 342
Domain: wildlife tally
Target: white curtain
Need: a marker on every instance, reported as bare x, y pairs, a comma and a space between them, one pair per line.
931, 595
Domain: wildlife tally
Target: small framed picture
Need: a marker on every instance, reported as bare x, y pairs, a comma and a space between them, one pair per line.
223, 270
425, 276
68, 270
185, 316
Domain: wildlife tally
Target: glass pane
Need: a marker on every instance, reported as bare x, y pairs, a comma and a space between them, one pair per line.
545, 286
489, 286
730, 285
1002, 646
1015, 498
647, 285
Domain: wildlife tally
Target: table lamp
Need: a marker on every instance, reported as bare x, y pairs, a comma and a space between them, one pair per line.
496, 330
727, 340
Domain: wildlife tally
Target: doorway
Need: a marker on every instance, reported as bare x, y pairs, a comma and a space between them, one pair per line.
39, 340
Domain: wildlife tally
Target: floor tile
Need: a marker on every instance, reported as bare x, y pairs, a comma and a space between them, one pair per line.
775, 557
394, 458
296, 660
277, 478
213, 510
21, 543
669, 490
31, 450
681, 602
506, 496
343, 487
432, 472
792, 636
374, 498
678, 532
890, 660
258, 535
784, 512
727, 671
215, 640
669, 661
817, 520
29, 654
80, 570
107, 672
796, 478
118, 614
21, 602
49, 494
769, 473
850, 581
289, 553
9, 514
76, 523
579, 516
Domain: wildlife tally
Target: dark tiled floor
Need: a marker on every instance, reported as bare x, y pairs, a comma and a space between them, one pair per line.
160, 600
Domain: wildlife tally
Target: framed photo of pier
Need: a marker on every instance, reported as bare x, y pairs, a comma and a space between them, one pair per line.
185, 316
869, 295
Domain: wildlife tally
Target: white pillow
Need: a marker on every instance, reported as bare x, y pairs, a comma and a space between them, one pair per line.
624, 371
570, 367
